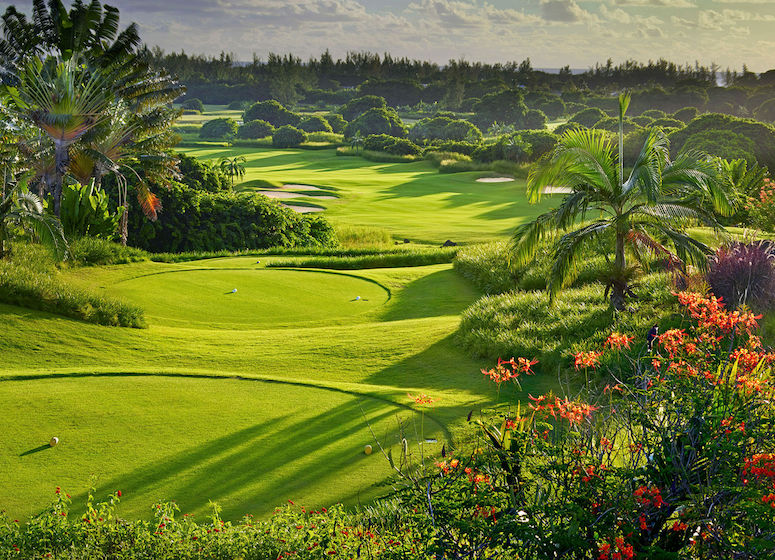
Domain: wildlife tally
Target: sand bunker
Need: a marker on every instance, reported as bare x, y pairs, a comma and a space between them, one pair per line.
495, 180
295, 187
284, 194
557, 190
303, 209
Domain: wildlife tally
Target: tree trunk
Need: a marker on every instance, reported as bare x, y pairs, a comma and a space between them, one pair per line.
4, 241
619, 285
124, 224
62, 160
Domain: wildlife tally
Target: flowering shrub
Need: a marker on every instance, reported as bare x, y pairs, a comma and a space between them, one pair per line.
675, 461
744, 273
761, 208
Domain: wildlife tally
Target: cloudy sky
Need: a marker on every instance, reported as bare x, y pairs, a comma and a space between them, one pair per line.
551, 32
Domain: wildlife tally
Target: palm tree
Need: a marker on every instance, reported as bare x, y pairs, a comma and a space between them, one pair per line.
646, 213
356, 141
233, 167
21, 207
65, 100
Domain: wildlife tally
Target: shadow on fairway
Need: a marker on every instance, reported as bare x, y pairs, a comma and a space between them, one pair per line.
255, 469
441, 293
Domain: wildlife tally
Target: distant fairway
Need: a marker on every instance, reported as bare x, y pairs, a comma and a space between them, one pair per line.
411, 200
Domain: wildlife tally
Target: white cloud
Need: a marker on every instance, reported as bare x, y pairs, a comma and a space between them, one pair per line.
566, 11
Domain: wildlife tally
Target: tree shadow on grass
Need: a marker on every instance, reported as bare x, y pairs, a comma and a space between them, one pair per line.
440, 293
287, 459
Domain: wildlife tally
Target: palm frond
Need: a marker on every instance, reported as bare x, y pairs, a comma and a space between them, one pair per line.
646, 174
528, 237
564, 270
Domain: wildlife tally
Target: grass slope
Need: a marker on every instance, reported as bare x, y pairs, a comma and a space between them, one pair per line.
207, 405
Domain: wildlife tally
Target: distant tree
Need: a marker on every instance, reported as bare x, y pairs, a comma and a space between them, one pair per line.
359, 105
356, 142
766, 111
377, 121
507, 107
686, 114
315, 123
288, 137
219, 129
588, 117
233, 167
193, 104
255, 129
336, 122
272, 112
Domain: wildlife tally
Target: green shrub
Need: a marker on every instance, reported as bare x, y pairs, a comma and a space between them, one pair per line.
535, 119
315, 123
201, 175
91, 251
445, 129
327, 137
611, 124
667, 122
194, 104
377, 121
359, 105
336, 122
563, 128
541, 142
28, 283
190, 112
642, 121
202, 221
390, 145
86, 211
588, 117
466, 148
460, 166
255, 129
686, 114
722, 143
218, 129
766, 111
288, 137
272, 112
506, 107
654, 114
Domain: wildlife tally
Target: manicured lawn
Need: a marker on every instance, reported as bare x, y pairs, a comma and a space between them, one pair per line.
411, 200
247, 399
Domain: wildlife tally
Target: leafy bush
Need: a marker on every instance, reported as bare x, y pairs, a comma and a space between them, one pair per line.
563, 128
762, 135
202, 175
92, 251
722, 143
766, 111
202, 221
272, 112
255, 129
642, 121
315, 123
655, 114
744, 274
686, 114
377, 121
218, 129
86, 211
507, 106
535, 119
336, 122
359, 105
541, 142
288, 137
588, 117
444, 128
611, 124
390, 145
193, 104
667, 122
459, 165
29, 281
327, 137
466, 148
761, 206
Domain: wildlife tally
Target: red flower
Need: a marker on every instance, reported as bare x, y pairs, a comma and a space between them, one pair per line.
586, 359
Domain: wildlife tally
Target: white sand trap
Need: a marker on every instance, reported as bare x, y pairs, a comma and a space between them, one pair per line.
280, 194
495, 180
294, 187
323, 197
303, 209
557, 190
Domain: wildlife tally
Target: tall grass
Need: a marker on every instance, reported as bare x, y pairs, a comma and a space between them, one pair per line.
524, 323
394, 259
378, 157
31, 280
362, 236
90, 251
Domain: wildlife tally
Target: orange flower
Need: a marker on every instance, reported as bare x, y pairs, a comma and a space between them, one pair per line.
422, 399
616, 340
586, 359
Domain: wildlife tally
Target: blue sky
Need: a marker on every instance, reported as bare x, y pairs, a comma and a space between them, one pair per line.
551, 32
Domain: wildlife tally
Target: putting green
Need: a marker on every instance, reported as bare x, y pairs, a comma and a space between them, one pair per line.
262, 298
248, 445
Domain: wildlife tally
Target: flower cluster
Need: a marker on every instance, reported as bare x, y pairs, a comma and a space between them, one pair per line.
646, 495
710, 314
421, 399
573, 411
516, 367
584, 360
617, 340
619, 550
